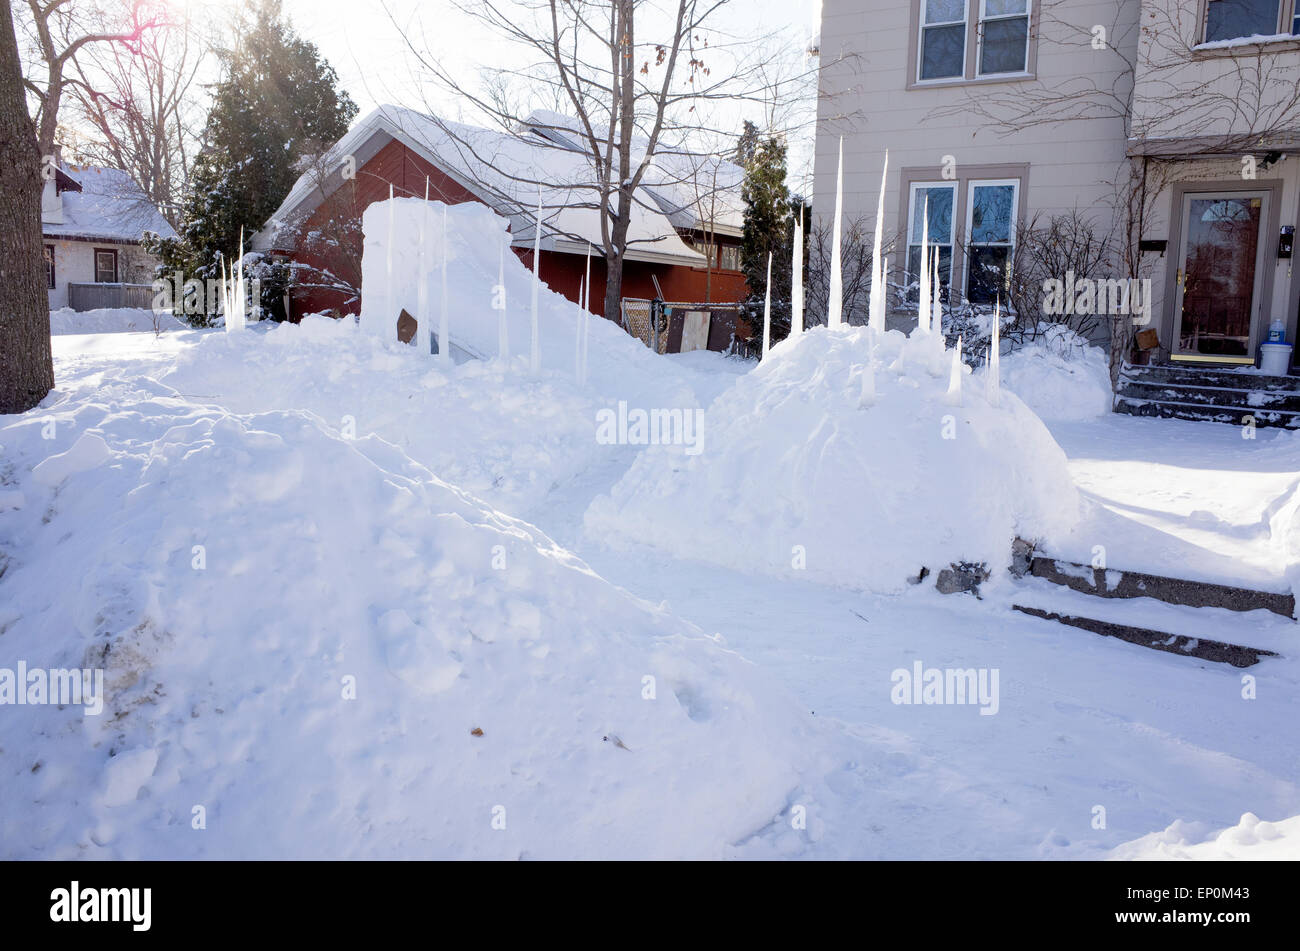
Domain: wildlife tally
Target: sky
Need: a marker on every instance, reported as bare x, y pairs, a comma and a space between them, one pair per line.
363, 43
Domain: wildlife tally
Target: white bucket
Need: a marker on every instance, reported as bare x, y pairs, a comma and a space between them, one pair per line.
1275, 358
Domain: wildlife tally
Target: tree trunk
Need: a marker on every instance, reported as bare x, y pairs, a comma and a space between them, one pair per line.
26, 364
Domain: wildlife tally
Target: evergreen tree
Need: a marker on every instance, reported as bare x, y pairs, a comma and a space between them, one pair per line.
769, 219
279, 104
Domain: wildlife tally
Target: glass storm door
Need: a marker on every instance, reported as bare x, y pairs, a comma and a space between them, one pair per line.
1219, 277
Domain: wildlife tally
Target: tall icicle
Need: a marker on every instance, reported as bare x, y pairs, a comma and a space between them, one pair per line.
577, 334
586, 316
503, 336
994, 379
535, 356
390, 319
923, 293
225, 292
796, 284
423, 331
767, 309
879, 268
835, 302
954, 377
444, 331
235, 296
936, 312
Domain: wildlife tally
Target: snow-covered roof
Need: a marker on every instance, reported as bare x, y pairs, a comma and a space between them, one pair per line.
502, 170
695, 190
109, 207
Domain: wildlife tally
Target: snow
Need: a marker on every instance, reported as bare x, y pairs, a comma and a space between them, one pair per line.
331, 564
791, 464
1059, 376
111, 320
110, 206
354, 601
1250, 839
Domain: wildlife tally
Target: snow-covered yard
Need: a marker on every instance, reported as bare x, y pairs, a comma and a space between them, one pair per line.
367, 520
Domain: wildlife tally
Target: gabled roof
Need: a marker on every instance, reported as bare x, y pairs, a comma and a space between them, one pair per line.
696, 191
107, 206
502, 171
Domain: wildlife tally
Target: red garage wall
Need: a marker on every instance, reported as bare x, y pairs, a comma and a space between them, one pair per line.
406, 171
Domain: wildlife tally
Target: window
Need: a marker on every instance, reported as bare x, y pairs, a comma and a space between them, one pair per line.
1003, 36
1238, 19
49, 266
990, 236
941, 200
105, 266
943, 40
730, 255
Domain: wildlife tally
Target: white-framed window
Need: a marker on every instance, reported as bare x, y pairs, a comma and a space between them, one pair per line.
1239, 19
49, 266
105, 266
991, 208
942, 43
938, 202
1003, 37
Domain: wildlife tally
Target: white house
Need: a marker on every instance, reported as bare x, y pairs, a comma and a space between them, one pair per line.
92, 223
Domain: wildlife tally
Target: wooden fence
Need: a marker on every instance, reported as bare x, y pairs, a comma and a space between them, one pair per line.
95, 296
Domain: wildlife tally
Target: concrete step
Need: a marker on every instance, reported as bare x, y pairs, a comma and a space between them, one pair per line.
1115, 583
1213, 394
1212, 650
1245, 379
1254, 401
1195, 412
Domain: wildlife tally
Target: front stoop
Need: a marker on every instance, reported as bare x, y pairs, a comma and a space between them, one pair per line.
1209, 395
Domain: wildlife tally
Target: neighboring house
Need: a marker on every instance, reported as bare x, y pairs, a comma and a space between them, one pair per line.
92, 222
685, 230
1173, 124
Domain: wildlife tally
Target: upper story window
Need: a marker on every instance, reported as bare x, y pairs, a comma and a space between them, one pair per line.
1004, 36
1241, 19
972, 39
943, 39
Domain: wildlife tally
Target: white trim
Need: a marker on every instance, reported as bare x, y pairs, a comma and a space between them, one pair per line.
921, 27
1010, 244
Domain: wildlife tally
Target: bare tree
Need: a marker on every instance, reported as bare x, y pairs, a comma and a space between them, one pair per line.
629, 97
26, 364
141, 102
58, 30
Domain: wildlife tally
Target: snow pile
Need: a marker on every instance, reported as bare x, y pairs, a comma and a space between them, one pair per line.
108, 320
313, 647
1059, 376
1249, 839
801, 474
476, 239
495, 431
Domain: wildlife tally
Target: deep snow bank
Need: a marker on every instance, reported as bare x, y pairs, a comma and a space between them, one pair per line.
494, 430
1059, 376
793, 469
241, 578
1248, 839
105, 320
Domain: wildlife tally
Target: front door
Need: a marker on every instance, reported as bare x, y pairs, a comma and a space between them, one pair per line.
1218, 303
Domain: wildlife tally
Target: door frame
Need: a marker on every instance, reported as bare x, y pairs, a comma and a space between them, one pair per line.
1265, 264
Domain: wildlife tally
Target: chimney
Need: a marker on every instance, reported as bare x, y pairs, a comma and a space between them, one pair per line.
51, 198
